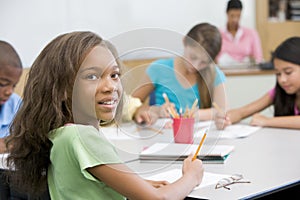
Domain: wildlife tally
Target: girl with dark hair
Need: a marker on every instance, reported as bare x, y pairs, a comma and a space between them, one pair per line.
186, 78
56, 139
285, 97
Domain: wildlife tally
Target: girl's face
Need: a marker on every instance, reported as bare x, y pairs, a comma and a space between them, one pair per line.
9, 77
197, 58
288, 75
97, 90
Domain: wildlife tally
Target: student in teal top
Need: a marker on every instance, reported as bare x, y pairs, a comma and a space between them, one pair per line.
55, 137
186, 78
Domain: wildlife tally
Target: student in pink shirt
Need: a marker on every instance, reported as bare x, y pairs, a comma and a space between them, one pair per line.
285, 97
239, 44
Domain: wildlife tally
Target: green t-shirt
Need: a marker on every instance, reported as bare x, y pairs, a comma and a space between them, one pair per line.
76, 148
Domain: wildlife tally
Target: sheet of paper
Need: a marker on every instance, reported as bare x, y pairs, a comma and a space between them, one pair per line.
174, 174
233, 131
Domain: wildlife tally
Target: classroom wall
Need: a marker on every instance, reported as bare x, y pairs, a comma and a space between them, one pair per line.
29, 25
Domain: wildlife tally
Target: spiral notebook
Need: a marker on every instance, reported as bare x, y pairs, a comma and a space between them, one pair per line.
178, 152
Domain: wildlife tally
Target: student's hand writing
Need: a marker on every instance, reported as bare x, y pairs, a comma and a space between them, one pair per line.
231, 117
259, 120
193, 168
157, 184
144, 115
222, 120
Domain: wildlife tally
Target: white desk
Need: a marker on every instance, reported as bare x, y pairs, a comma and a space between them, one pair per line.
268, 158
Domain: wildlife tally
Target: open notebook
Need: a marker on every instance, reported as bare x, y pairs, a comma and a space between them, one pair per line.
178, 152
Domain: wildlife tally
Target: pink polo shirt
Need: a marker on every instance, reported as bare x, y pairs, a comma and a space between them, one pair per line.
245, 43
272, 95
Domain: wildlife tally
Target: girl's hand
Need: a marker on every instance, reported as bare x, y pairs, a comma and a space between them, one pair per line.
259, 120
222, 121
193, 168
144, 115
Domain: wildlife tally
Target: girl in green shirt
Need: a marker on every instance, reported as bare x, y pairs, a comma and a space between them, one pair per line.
55, 141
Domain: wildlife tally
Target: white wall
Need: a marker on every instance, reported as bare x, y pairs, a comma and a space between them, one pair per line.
29, 25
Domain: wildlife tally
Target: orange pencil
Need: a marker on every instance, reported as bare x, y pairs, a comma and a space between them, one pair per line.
199, 147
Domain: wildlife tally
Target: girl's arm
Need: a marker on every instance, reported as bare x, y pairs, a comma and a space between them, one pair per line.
276, 122
123, 180
236, 115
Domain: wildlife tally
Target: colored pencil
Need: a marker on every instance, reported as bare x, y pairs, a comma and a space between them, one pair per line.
199, 147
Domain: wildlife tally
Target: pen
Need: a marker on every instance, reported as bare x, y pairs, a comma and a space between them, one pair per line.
198, 149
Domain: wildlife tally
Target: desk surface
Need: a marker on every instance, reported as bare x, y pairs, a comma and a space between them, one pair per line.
268, 158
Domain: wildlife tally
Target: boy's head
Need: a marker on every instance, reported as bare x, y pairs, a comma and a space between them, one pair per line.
10, 70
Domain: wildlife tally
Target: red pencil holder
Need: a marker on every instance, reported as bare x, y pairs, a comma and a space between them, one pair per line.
183, 130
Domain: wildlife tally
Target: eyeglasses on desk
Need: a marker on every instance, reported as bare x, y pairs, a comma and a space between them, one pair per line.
235, 178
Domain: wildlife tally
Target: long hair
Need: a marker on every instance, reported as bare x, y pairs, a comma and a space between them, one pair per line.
289, 51
209, 38
47, 105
